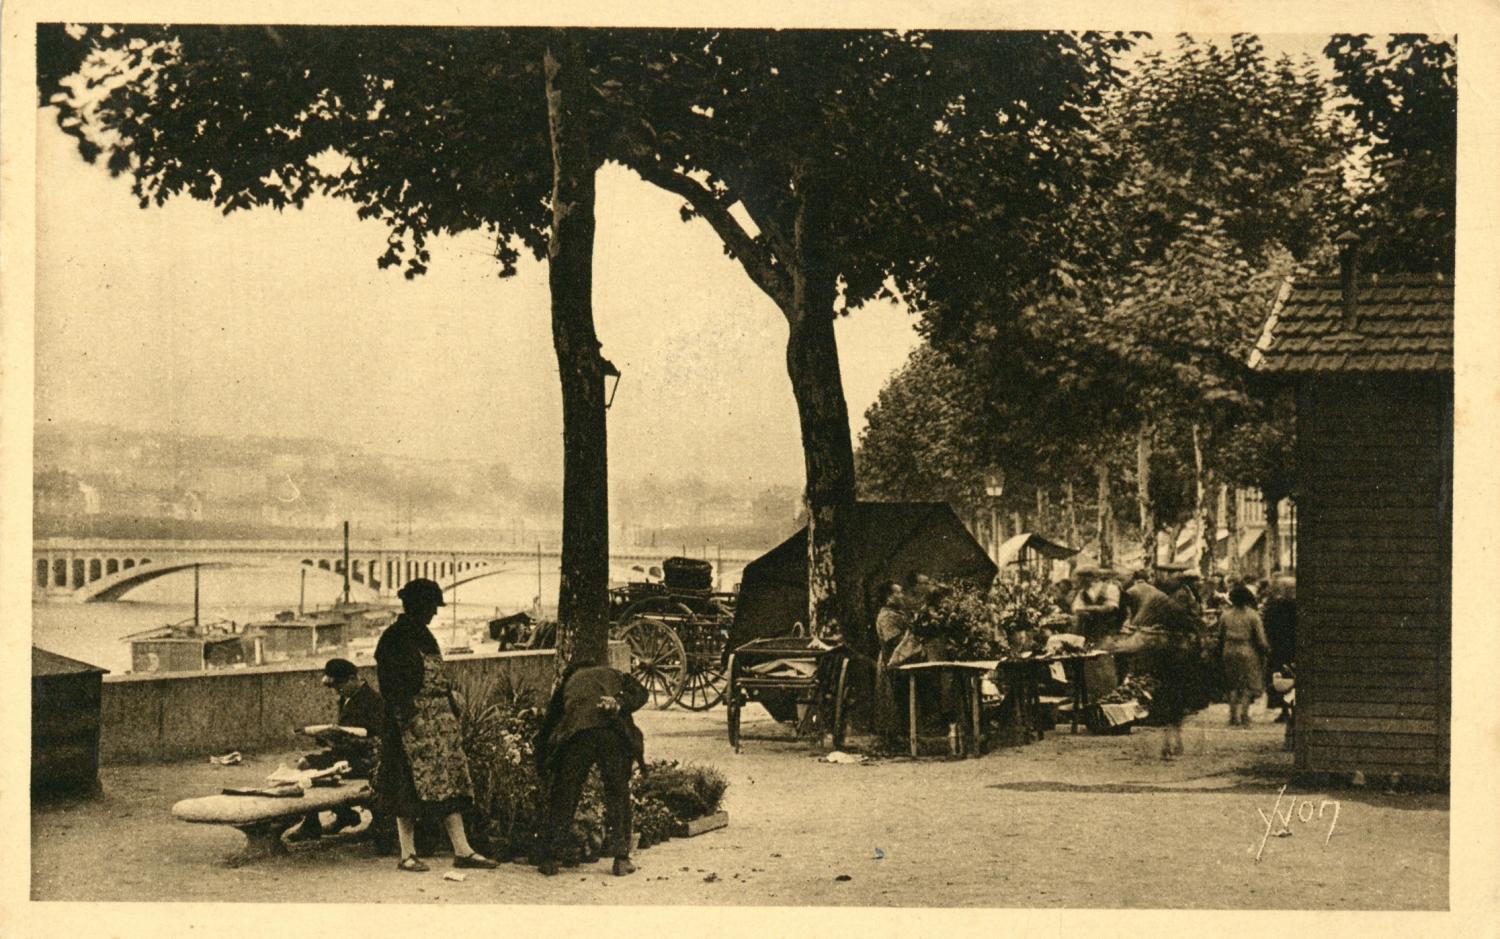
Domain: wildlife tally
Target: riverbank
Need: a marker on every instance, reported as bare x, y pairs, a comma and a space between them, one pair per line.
1069, 822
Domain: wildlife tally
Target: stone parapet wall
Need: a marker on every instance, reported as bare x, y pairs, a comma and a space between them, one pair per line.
153, 718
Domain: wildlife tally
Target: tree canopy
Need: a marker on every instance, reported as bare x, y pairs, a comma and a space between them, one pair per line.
835, 166
1213, 173
1403, 99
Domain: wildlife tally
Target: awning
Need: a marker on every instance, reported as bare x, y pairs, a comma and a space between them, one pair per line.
1013, 548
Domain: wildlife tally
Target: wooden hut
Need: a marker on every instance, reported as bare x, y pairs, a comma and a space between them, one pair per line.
1371, 360
65, 705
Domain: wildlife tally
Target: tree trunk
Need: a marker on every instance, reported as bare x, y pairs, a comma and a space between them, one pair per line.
1232, 510
1072, 510
1104, 528
1273, 534
1215, 518
583, 596
1204, 549
1143, 495
812, 358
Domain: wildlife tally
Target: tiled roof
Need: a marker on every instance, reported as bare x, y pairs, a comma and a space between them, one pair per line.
1404, 323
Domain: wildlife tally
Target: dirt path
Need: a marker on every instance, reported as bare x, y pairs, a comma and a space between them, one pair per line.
1071, 821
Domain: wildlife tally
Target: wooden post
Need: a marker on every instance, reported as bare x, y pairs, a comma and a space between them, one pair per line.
1149, 546
911, 707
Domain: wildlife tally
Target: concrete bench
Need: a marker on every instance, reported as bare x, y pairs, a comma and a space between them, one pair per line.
264, 819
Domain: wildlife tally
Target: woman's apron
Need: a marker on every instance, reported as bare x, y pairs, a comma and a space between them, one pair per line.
432, 739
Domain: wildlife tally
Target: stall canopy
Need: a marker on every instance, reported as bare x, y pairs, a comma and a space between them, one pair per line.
1021, 548
885, 540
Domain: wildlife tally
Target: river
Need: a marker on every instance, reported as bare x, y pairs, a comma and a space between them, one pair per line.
93, 632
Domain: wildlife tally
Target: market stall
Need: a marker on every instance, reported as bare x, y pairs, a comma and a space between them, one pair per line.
885, 541
1030, 554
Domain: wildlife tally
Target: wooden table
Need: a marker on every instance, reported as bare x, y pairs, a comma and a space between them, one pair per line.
971, 674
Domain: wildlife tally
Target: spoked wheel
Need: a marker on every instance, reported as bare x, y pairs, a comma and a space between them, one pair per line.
839, 695
705, 682
657, 659
732, 705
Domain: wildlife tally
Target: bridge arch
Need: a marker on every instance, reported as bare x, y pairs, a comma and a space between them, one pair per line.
115, 586
481, 569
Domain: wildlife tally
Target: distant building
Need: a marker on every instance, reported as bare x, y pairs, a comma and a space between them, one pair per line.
1371, 360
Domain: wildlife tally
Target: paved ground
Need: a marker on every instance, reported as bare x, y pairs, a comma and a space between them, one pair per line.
1071, 821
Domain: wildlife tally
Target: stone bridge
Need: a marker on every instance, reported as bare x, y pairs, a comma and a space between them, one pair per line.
91, 570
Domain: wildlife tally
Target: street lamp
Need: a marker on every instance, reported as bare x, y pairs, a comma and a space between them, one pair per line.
994, 482
610, 372
994, 487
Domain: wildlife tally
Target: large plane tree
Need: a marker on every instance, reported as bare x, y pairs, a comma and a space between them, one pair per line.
835, 167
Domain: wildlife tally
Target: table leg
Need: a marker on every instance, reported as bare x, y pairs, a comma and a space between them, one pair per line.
1033, 704
262, 840
1077, 670
976, 691
911, 707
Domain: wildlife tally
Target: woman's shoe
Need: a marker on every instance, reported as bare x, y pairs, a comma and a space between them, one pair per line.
475, 861
547, 868
623, 867
411, 865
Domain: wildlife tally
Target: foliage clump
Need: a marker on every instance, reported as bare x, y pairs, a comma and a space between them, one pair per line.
499, 724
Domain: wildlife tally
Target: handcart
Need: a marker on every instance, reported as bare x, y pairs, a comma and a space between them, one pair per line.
797, 679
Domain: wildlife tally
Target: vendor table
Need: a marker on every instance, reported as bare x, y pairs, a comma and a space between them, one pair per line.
969, 674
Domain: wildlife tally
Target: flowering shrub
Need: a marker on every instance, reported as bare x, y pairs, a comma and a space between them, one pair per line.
672, 794
1020, 605
499, 725
959, 614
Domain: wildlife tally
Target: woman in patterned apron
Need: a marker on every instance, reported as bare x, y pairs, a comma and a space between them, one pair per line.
423, 770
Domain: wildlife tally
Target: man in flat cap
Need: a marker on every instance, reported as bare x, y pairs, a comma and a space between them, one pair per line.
359, 708
588, 723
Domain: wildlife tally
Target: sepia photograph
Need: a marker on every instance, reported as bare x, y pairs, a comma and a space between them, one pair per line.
946, 467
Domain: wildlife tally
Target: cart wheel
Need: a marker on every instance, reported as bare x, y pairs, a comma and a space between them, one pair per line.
705, 683
732, 702
839, 717
657, 659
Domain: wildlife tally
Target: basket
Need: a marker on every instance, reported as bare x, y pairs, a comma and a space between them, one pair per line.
687, 574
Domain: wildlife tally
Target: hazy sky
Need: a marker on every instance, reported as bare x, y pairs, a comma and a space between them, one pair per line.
280, 323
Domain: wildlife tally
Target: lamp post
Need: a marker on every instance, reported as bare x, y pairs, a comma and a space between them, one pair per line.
612, 382
994, 487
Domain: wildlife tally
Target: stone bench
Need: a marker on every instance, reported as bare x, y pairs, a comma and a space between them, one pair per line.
264, 819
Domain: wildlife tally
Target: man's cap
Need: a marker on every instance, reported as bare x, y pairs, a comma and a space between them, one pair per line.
422, 589
340, 669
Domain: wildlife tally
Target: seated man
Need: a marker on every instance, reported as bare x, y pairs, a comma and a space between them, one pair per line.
359, 708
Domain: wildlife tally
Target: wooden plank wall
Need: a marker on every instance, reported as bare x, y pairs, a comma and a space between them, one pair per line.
1374, 578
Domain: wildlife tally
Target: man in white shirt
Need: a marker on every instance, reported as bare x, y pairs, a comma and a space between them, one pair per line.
1096, 606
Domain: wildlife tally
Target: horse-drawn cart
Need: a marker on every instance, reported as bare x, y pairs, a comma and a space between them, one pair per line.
676, 630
